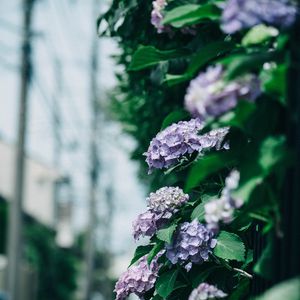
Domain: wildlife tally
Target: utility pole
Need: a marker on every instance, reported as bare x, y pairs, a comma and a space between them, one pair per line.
57, 113
15, 211
94, 165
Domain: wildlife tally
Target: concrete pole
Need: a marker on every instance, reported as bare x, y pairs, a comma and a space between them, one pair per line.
15, 210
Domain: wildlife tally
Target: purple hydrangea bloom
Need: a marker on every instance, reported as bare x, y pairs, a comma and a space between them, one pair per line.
209, 95
222, 209
157, 15
149, 222
166, 199
180, 140
161, 206
138, 279
192, 243
206, 291
239, 14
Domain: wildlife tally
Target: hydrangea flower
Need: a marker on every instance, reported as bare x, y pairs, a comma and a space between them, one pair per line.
161, 206
166, 199
138, 279
179, 140
192, 243
239, 14
222, 209
206, 291
157, 15
209, 95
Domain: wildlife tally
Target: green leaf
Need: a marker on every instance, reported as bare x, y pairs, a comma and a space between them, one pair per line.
158, 246
265, 267
147, 56
206, 166
199, 212
140, 251
236, 118
229, 246
166, 282
240, 290
274, 81
205, 55
239, 64
199, 278
166, 234
271, 153
191, 14
174, 117
288, 290
259, 34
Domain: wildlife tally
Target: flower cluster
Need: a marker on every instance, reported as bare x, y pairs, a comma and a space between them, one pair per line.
192, 243
209, 95
222, 209
166, 199
179, 140
157, 15
138, 279
161, 206
206, 291
239, 14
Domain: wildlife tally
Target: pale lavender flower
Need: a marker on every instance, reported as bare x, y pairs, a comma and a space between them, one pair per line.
166, 199
157, 15
206, 291
138, 279
240, 14
222, 209
192, 243
181, 140
209, 95
161, 206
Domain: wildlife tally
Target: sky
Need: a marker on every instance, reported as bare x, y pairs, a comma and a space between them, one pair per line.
63, 31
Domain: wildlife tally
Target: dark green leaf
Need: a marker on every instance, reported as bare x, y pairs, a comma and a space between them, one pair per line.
265, 267
139, 252
201, 277
236, 118
229, 246
147, 56
199, 212
166, 282
240, 64
174, 117
272, 152
206, 166
166, 234
240, 290
206, 54
191, 14
274, 81
159, 246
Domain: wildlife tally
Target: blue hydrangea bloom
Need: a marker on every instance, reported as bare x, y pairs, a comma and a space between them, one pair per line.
192, 243
161, 205
180, 140
138, 279
240, 14
209, 95
206, 291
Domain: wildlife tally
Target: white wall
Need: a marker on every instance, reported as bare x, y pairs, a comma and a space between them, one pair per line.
39, 185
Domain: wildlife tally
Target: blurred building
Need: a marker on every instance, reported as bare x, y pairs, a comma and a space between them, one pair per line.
47, 201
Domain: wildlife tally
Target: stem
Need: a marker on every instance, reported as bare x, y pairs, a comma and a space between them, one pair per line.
227, 266
243, 273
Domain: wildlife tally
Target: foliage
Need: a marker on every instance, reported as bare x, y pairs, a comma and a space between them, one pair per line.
149, 97
41, 252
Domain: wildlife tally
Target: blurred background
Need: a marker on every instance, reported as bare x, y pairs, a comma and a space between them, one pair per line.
68, 189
